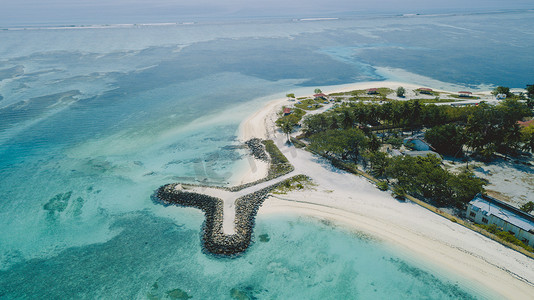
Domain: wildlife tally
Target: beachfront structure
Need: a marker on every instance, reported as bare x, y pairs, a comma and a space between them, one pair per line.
287, 111
465, 94
487, 210
525, 123
425, 91
320, 96
373, 91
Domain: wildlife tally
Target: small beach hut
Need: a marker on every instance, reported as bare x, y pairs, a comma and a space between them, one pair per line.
425, 91
320, 96
465, 94
287, 111
373, 91
525, 123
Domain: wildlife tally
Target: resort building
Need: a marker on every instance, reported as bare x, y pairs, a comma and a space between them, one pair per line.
525, 123
425, 91
465, 94
487, 210
373, 91
320, 96
287, 111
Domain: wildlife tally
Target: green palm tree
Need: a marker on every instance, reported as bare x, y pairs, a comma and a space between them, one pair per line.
287, 128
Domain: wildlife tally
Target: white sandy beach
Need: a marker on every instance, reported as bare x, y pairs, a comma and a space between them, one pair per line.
355, 203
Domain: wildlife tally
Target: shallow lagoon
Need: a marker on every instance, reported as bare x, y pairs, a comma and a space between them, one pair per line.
93, 120
292, 257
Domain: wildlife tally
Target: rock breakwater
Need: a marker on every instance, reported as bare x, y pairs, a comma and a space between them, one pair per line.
213, 239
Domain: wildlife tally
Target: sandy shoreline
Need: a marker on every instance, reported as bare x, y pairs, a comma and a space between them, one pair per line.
355, 203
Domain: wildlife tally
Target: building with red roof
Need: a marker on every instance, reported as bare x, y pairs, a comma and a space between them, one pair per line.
287, 111
525, 123
425, 91
372, 91
320, 95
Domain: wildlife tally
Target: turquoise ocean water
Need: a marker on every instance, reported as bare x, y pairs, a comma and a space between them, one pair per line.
92, 120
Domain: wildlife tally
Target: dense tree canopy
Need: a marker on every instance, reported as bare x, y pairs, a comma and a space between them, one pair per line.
501, 90
527, 138
346, 133
446, 139
494, 128
339, 143
424, 176
409, 114
530, 90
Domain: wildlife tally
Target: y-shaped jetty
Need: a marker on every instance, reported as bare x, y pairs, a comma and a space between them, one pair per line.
230, 212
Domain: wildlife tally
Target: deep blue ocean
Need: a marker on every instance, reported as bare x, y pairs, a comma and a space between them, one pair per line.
93, 120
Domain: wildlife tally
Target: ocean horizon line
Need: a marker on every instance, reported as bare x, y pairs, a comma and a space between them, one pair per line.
243, 19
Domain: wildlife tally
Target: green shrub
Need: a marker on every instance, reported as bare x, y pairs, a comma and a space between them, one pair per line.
279, 163
277, 157
382, 185
505, 236
399, 191
299, 182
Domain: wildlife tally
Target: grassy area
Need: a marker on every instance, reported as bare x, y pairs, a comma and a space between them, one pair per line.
295, 116
297, 183
385, 91
279, 163
297, 143
463, 97
277, 157
382, 92
433, 93
375, 98
435, 100
309, 102
359, 95
382, 185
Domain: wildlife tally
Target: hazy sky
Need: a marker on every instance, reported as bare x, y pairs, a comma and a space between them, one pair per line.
28, 12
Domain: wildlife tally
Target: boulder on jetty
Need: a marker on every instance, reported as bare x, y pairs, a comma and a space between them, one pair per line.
257, 149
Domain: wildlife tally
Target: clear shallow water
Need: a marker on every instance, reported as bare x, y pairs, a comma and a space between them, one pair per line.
331, 264
93, 120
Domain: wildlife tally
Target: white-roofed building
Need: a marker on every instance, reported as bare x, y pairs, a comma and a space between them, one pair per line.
487, 210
